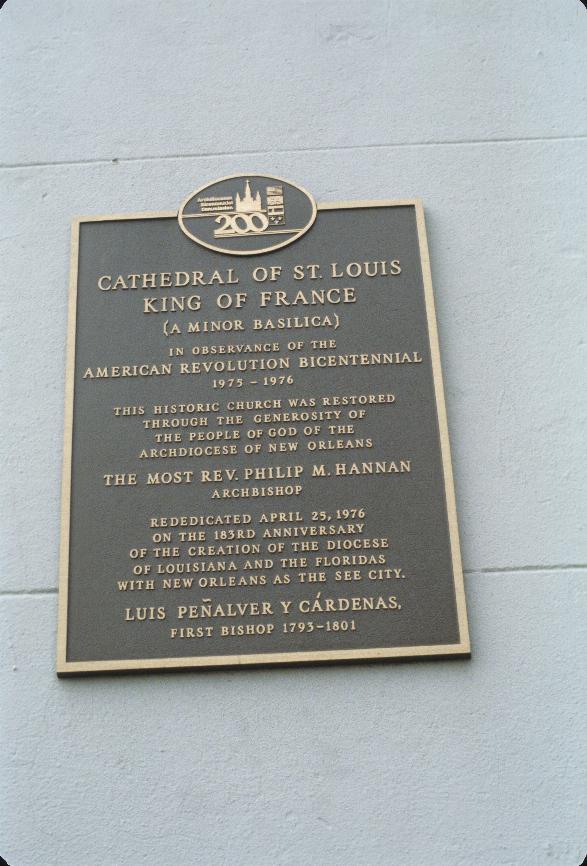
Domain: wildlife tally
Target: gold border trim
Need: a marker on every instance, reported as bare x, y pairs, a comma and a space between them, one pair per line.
460, 649
67, 451
449, 487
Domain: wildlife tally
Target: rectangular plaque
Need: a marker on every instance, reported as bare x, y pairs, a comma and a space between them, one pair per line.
257, 465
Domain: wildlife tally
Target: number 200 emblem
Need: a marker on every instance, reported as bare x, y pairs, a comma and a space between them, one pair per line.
245, 215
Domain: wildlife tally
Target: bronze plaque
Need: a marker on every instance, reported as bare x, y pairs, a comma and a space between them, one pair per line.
257, 466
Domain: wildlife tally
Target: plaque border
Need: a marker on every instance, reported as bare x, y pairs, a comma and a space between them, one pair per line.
460, 649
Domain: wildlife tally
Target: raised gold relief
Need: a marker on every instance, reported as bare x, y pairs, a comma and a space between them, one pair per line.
257, 466
244, 215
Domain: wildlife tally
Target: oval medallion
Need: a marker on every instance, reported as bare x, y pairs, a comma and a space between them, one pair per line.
247, 214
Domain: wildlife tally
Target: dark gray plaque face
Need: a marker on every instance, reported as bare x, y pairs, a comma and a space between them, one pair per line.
257, 466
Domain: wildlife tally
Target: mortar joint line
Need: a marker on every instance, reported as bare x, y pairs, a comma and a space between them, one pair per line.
528, 569
248, 153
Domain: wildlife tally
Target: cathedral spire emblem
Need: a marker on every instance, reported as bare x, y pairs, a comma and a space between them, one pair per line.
248, 203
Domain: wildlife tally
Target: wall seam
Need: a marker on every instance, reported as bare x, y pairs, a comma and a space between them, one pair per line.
329, 149
553, 569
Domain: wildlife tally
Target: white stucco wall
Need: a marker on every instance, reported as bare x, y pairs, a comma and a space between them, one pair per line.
478, 108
